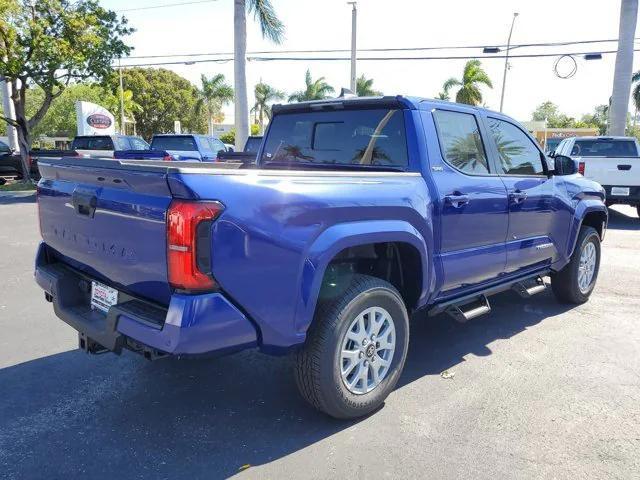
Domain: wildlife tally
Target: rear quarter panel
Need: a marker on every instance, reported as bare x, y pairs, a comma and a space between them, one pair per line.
280, 229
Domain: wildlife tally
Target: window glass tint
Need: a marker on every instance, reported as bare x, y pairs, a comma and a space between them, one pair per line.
553, 144
461, 142
604, 148
185, 143
138, 144
4, 148
354, 137
93, 143
518, 155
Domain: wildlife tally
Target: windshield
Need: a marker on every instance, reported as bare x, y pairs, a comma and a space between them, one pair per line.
341, 137
184, 143
604, 148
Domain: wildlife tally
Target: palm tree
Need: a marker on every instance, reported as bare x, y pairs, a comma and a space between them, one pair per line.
472, 77
443, 96
624, 65
215, 93
265, 96
273, 29
364, 87
635, 94
315, 90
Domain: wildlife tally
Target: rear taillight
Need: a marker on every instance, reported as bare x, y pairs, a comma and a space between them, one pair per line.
167, 158
189, 244
581, 168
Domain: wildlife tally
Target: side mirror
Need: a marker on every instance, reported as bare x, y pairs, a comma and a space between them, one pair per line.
230, 149
565, 165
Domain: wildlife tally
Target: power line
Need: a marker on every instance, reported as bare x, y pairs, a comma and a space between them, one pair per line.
401, 49
152, 7
323, 59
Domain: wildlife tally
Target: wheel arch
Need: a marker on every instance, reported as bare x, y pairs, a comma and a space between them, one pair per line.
358, 237
592, 213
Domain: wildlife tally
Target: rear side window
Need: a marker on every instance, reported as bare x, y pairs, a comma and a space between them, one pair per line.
517, 153
92, 143
604, 148
353, 137
185, 143
461, 142
253, 145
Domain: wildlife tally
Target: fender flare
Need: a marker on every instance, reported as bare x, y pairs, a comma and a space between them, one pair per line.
584, 208
344, 235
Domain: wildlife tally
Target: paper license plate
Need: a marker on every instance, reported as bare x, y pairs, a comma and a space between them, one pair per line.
102, 297
621, 191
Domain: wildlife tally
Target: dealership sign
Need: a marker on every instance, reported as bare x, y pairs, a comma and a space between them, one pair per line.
98, 120
94, 119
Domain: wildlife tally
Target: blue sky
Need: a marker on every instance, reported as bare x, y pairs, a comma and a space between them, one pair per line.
208, 27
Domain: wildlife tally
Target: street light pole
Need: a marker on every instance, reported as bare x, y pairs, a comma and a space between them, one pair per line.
354, 18
506, 60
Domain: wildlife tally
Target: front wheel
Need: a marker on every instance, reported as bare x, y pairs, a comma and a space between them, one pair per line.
575, 282
355, 349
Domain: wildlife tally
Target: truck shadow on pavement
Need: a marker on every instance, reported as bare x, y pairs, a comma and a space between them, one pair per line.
70, 415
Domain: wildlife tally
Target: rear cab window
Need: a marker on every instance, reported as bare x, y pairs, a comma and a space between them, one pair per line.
185, 143
604, 147
364, 138
99, 142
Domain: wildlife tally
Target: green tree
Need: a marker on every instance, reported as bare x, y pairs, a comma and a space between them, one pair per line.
164, 97
230, 136
273, 29
598, 119
214, 94
635, 92
443, 96
364, 87
473, 77
314, 90
265, 96
549, 112
51, 44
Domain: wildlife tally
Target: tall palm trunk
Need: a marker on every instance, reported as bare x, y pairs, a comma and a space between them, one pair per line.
239, 73
624, 65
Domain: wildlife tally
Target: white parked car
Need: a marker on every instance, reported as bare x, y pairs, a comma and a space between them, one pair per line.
613, 162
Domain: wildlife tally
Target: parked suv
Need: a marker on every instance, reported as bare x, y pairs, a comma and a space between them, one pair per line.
359, 212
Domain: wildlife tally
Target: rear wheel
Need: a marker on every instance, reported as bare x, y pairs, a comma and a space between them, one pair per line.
575, 282
355, 349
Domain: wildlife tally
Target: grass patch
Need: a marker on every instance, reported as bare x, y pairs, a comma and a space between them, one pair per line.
18, 187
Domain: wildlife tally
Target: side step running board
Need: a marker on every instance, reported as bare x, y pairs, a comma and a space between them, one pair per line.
464, 312
529, 288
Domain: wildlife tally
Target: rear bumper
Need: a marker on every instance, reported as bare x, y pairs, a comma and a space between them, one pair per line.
190, 325
632, 199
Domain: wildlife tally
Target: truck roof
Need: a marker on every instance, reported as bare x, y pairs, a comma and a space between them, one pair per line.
604, 137
397, 101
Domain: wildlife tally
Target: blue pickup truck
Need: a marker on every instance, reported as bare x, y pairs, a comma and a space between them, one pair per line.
359, 212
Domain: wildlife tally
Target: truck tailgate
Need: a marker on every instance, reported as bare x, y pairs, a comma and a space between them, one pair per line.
623, 171
108, 221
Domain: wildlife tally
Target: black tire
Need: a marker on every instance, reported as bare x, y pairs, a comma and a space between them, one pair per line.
565, 282
318, 366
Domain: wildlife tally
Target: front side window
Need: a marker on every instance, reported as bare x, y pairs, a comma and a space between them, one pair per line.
517, 154
138, 143
4, 148
461, 142
344, 137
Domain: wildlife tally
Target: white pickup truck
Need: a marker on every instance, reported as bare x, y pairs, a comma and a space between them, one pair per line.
613, 162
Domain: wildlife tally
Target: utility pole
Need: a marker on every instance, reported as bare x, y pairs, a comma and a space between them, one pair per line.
122, 127
354, 20
506, 60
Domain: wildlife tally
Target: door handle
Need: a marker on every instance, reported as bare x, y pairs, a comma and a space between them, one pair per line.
624, 167
518, 196
456, 200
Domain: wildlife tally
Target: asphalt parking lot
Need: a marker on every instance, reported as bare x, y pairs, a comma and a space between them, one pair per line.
539, 390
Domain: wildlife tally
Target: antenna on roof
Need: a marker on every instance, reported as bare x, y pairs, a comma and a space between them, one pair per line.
346, 93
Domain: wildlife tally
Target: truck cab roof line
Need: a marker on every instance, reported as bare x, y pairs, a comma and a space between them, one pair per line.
397, 102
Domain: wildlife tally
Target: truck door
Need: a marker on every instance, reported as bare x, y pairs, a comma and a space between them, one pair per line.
533, 235
472, 203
